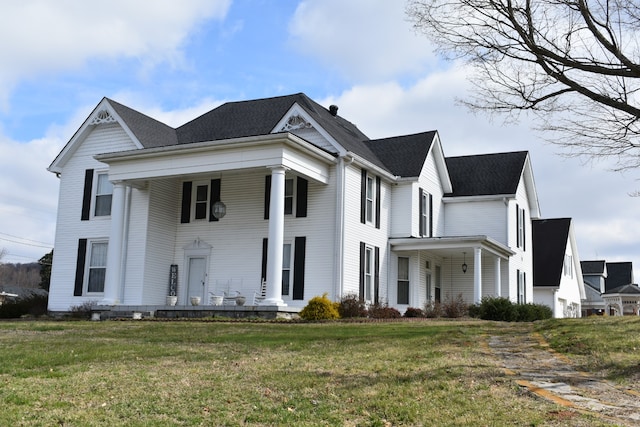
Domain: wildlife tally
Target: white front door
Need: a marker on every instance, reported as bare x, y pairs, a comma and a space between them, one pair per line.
197, 278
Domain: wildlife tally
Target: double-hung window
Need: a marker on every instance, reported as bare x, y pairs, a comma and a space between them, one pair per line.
520, 228
370, 198
286, 269
368, 274
403, 280
104, 191
201, 201
522, 287
568, 266
288, 196
97, 267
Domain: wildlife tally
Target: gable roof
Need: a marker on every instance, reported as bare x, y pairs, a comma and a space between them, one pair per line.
149, 131
630, 289
486, 174
595, 268
404, 155
550, 239
618, 274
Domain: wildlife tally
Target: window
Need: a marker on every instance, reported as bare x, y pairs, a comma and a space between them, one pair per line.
428, 287
424, 210
201, 201
288, 196
368, 274
522, 287
403, 280
97, 267
104, 191
520, 228
370, 199
568, 266
286, 269
438, 286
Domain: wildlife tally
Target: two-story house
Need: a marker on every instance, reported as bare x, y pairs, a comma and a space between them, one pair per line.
283, 191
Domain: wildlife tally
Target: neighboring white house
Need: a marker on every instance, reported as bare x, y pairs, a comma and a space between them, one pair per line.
284, 190
557, 273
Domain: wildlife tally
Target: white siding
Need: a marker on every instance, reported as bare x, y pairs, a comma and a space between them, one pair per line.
475, 218
69, 227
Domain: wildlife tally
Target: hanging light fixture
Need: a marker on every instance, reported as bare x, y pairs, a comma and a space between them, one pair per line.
464, 262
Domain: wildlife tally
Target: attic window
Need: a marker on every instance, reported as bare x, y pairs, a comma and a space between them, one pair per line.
103, 116
296, 122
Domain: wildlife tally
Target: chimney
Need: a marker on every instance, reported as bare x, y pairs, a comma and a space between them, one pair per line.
333, 109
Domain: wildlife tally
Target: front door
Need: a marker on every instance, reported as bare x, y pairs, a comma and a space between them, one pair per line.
196, 278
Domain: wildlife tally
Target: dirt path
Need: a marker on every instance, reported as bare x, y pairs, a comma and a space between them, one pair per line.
535, 366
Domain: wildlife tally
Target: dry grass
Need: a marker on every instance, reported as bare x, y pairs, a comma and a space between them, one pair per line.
213, 373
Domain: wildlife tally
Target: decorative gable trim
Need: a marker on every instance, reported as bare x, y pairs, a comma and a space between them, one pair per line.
101, 117
295, 122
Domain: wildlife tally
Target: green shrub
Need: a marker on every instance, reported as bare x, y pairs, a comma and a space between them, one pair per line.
414, 312
502, 309
82, 311
454, 308
320, 308
351, 306
383, 311
34, 305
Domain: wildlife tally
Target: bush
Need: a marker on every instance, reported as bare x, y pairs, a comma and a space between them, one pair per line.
502, 309
82, 311
432, 310
320, 308
383, 311
351, 306
414, 312
34, 305
454, 308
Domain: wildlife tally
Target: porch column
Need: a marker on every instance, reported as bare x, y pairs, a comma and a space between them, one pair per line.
477, 275
276, 238
114, 248
498, 276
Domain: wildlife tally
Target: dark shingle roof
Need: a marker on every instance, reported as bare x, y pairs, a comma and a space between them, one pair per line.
618, 274
403, 155
625, 289
486, 174
550, 237
592, 267
150, 132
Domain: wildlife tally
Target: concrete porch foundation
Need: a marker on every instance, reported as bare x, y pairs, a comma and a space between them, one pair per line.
193, 312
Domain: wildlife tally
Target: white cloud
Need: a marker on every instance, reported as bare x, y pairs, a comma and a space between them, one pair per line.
365, 40
39, 37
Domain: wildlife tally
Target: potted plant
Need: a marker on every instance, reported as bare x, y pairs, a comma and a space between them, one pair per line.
172, 300
195, 301
240, 300
215, 299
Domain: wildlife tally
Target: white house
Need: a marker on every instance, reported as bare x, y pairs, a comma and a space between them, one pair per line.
286, 191
557, 274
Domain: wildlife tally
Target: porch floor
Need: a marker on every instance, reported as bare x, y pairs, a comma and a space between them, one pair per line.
194, 312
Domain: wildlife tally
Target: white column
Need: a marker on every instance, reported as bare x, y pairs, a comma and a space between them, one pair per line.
477, 275
498, 276
114, 250
276, 238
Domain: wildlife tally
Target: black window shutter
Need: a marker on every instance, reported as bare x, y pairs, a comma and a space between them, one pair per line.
267, 195
86, 195
302, 187
421, 230
363, 249
378, 201
214, 196
363, 198
430, 215
298, 267
82, 254
185, 213
524, 231
517, 226
265, 243
376, 272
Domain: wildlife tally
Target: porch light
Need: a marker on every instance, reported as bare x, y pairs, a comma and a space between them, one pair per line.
219, 210
464, 262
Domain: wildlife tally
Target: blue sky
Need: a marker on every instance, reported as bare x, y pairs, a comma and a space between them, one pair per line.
177, 60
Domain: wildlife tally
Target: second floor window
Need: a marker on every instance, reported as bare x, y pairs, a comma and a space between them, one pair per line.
104, 191
370, 198
202, 201
521, 234
568, 266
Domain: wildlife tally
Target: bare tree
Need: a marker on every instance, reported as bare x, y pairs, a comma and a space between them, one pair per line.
573, 63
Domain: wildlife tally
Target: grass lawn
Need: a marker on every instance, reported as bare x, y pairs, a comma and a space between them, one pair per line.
152, 373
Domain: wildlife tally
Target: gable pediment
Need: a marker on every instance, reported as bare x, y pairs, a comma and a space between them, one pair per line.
300, 123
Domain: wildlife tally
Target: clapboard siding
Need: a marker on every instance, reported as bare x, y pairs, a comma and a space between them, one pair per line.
477, 218
69, 228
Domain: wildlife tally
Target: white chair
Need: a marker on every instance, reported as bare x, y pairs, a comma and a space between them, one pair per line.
261, 294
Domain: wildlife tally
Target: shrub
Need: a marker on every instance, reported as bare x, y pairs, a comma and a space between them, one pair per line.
383, 311
454, 308
82, 311
502, 309
351, 306
320, 308
414, 312
432, 309
34, 305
